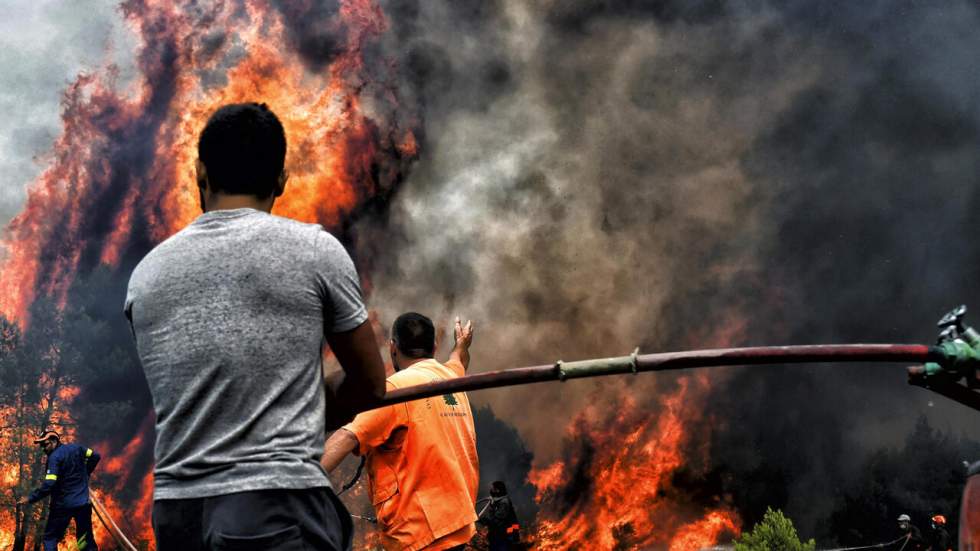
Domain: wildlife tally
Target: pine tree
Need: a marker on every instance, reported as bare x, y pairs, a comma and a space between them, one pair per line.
774, 533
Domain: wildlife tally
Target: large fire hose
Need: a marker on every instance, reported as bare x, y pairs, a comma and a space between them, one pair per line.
942, 368
939, 368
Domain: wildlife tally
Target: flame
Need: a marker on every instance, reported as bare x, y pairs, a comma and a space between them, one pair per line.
613, 487
705, 532
9, 475
117, 475
17, 443
68, 393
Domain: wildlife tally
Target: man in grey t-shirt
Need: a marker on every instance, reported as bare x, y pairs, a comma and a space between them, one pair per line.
230, 315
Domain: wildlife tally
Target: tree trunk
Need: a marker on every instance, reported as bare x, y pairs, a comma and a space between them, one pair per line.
22, 513
39, 529
20, 531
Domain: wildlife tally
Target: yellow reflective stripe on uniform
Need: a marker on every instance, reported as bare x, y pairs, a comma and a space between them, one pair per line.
51, 477
88, 452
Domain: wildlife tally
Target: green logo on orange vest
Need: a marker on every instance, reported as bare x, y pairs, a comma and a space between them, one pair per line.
450, 400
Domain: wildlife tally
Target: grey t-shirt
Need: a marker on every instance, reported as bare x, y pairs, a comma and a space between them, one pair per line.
229, 316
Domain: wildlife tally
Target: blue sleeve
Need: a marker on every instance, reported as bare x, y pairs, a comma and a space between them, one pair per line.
50, 479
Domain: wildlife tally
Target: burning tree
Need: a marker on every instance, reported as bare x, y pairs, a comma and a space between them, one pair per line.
614, 485
41, 376
35, 389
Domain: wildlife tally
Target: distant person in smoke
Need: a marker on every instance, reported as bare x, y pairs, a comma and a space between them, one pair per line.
503, 530
938, 536
230, 315
420, 455
66, 481
913, 540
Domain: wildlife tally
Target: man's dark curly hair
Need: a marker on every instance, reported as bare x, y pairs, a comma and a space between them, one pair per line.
243, 148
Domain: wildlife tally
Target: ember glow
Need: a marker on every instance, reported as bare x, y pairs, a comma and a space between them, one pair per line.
613, 487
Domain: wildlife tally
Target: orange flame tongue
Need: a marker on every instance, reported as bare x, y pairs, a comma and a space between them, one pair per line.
705, 532
612, 489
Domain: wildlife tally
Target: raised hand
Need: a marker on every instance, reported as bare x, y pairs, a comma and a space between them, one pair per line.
464, 335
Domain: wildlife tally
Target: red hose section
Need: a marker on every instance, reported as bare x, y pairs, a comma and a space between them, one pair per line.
759, 355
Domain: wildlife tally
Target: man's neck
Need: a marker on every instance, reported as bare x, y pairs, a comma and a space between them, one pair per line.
222, 201
409, 362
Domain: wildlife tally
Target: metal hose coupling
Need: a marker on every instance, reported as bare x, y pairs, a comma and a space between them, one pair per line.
593, 368
957, 349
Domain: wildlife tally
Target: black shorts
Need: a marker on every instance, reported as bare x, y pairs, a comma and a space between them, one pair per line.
286, 520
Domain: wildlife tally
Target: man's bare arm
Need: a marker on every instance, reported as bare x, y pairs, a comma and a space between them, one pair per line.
464, 337
362, 382
338, 446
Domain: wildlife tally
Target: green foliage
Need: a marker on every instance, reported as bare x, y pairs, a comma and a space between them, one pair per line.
774, 533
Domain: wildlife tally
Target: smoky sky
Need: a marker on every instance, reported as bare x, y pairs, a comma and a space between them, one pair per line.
598, 176
43, 47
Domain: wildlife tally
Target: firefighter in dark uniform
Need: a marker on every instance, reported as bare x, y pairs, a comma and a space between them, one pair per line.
503, 531
938, 536
911, 533
66, 481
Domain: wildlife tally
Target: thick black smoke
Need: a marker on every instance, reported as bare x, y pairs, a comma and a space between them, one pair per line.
870, 176
315, 32
601, 175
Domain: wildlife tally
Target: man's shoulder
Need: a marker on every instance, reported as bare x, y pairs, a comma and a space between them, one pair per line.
285, 231
71, 448
406, 377
421, 372
427, 371
289, 233
161, 250
292, 226
64, 450
449, 370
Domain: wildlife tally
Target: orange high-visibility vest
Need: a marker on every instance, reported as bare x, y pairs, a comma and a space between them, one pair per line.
422, 462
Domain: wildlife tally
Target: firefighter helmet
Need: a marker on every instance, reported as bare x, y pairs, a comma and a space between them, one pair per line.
939, 519
904, 518
47, 435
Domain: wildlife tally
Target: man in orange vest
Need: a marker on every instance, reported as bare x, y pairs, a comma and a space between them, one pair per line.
421, 455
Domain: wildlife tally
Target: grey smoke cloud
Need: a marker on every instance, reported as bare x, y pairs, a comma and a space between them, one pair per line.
689, 174
572, 211
43, 47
